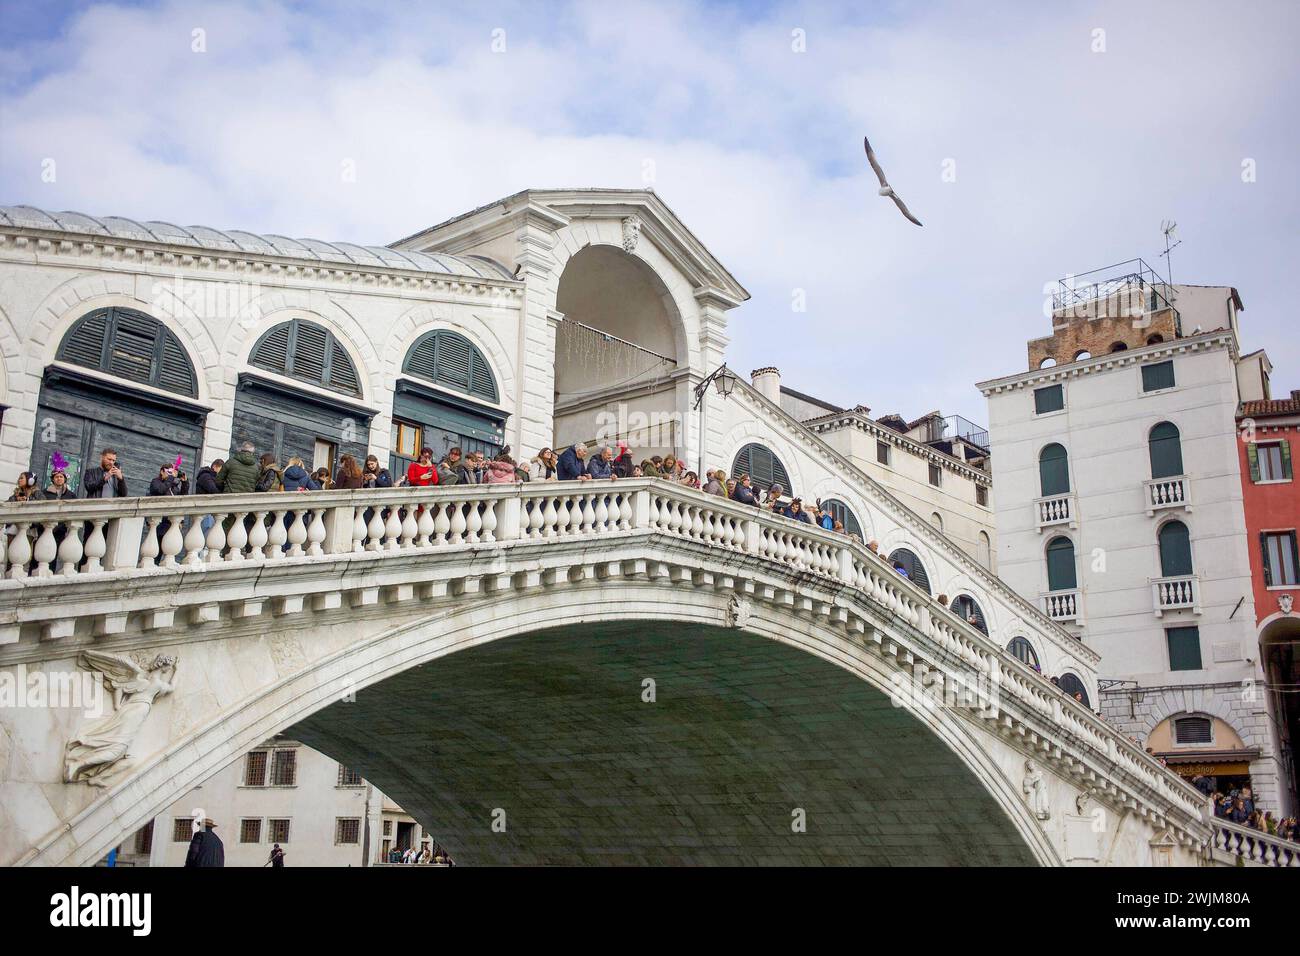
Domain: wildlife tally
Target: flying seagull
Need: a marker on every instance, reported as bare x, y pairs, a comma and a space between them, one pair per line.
885, 188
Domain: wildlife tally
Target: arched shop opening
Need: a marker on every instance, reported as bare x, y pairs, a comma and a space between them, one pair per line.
445, 398
144, 409
319, 422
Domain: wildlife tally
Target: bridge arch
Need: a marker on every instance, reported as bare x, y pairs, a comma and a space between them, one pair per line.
563, 619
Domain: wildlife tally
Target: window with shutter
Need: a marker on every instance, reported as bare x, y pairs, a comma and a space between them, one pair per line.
1175, 550
1054, 470
841, 512
966, 608
1281, 558
910, 566
1023, 651
309, 353
1166, 450
449, 359
1158, 376
131, 346
1193, 730
1050, 398
1071, 685
1061, 574
762, 466
1184, 648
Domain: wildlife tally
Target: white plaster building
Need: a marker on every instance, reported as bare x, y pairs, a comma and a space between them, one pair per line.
1119, 509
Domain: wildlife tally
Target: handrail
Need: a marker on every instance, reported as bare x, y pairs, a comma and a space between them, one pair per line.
407, 520
1254, 845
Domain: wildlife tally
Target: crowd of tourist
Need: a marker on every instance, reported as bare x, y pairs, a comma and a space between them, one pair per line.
1238, 806
424, 856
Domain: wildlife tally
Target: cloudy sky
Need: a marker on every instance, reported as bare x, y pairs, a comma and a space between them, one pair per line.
1069, 131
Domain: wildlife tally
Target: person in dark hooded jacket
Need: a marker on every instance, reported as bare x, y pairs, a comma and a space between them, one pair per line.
296, 478
208, 480
372, 476
206, 849
240, 474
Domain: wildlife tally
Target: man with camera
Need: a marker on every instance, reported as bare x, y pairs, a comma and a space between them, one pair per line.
107, 480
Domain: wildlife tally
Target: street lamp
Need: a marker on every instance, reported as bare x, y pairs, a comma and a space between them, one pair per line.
724, 380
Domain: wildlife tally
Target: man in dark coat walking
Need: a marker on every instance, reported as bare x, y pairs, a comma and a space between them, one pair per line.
206, 848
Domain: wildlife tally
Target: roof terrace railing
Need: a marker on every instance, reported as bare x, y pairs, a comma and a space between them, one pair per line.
1135, 283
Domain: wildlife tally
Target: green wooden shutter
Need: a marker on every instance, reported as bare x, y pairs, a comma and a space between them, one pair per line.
1263, 551
1054, 470
1061, 574
1166, 451
1175, 550
1184, 648
1285, 448
1252, 455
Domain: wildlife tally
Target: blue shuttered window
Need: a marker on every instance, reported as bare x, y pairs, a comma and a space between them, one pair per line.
449, 359
131, 346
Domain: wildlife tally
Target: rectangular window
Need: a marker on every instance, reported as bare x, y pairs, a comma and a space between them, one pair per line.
284, 768
1280, 558
278, 830
182, 830
1269, 461
982, 496
255, 769
144, 839
936, 475
323, 455
349, 778
882, 452
1184, 648
406, 439
250, 831
347, 830
1049, 399
1158, 376
388, 828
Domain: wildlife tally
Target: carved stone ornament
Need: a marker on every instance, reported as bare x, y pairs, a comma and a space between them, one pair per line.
1035, 788
737, 612
96, 753
1285, 602
631, 232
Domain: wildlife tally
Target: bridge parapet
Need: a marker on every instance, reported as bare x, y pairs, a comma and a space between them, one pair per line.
146, 568
1247, 846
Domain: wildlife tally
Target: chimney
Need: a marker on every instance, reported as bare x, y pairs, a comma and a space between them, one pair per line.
767, 381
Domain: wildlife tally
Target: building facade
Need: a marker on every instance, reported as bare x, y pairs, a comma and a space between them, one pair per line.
1120, 509
1270, 432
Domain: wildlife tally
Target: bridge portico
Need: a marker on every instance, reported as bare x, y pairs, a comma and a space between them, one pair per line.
311, 624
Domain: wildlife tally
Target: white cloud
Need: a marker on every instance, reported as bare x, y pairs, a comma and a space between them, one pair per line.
1066, 159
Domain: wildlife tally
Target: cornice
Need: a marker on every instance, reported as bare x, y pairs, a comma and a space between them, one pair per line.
19, 243
850, 419
1209, 341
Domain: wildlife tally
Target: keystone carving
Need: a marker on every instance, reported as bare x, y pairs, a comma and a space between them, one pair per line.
631, 232
1285, 602
738, 612
1035, 788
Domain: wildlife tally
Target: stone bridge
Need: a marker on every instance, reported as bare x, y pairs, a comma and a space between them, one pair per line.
560, 672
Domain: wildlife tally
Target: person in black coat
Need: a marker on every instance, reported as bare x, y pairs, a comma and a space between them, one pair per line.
169, 482
207, 481
106, 481
206, 848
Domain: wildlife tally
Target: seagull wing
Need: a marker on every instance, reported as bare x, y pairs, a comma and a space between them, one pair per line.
871, 158
904, 210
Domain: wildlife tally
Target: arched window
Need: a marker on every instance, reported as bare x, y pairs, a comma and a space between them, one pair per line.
1054, 470
130, 345
1082, 354
1061, 574
1072, 685
1155, 339
308, 352
1193, 730
936, 519
984, 550
841, 512
1166, 451
762, 466
449, 359
1048, 362
910, 566
1023, 651
1119, 347
964, 607
1175, 550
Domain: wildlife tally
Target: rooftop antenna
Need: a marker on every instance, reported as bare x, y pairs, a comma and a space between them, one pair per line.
1167, 227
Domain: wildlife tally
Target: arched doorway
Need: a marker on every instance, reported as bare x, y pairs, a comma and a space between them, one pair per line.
616, 352
968, 609
146, 412
1073, 687
1279, 642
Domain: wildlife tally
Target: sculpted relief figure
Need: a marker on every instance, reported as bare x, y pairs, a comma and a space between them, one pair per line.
94, 755
1035, 788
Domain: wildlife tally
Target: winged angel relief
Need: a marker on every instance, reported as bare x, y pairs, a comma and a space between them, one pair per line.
95, 754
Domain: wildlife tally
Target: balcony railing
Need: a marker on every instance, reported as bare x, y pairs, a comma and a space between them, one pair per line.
1055, 510
1162, 493
1062, 606
1179, 593
1254, 846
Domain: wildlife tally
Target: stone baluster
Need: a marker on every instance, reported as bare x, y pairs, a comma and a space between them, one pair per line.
375, 530
488, 533
236, 538
296, 536
392, 530
602, 513
550, 519
70, 551
473, 522
172, 541
277, 534
456, 533
195, 542
257, 537
575, 514
45, 550
424, 522
441, 523
149, 545
359, 529
20, 551
410, 528
316, 533
216, 542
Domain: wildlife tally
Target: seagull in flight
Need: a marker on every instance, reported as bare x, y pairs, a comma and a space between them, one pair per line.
885, 188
